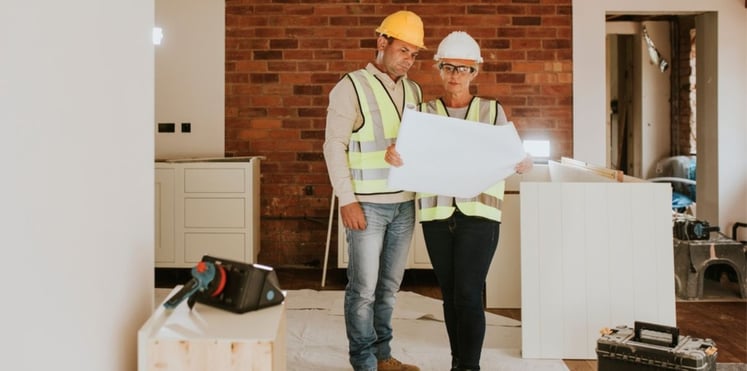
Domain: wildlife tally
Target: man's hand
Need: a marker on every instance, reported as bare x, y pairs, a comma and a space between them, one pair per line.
352, 216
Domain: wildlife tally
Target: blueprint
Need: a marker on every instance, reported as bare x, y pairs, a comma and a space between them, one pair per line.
453, 157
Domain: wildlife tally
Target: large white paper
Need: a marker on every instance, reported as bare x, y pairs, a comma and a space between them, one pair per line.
453, 157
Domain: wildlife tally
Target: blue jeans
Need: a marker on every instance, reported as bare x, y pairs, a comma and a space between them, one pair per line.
377, 257
461, 248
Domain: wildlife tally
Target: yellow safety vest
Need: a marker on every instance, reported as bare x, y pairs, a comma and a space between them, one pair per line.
488, 203
368, 169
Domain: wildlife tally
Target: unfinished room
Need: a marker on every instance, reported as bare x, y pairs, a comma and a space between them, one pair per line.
431, 185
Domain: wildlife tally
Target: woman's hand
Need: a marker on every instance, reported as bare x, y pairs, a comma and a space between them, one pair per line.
392, 156
525, 165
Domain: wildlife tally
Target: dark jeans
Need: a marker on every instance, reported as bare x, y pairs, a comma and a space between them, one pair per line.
461, 248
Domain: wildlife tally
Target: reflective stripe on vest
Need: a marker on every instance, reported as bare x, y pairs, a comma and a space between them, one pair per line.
381, 120
487, 204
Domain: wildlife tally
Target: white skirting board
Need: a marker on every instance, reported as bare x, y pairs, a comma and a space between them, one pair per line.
593, 255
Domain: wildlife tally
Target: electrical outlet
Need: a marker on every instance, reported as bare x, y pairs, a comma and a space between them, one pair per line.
186, 127
166, 127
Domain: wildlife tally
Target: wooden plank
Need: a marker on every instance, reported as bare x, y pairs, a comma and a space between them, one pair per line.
661, 205
209, 355
530, 271
597, 272
211, 339
550, 270
620, 259
616, 175
503, 283
644, 255
573, 258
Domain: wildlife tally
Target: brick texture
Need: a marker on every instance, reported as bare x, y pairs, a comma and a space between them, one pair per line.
685, 88
283, 57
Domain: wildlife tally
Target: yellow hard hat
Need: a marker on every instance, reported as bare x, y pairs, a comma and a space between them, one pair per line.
404, 25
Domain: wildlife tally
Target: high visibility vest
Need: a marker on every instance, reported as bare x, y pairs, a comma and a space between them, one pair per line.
368, 169
486, 204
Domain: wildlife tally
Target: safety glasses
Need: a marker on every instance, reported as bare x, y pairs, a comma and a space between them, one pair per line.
450, 68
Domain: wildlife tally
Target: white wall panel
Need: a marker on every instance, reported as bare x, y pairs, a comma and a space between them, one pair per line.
190, 77
593, 255
77, 189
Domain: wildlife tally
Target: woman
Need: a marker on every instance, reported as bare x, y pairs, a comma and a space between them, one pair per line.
461, 235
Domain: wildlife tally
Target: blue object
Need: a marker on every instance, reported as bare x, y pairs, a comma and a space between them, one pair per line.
680, 201
202, 275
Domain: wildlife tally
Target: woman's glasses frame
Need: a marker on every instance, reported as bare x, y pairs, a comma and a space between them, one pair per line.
450, 68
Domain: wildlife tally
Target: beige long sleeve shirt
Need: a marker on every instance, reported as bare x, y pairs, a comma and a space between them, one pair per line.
343, 117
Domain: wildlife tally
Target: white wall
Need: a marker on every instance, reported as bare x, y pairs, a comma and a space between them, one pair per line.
190, 77
76, 112
730, 184
655, 100
651, 93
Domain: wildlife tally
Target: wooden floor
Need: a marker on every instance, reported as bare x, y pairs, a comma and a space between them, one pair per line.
723, 321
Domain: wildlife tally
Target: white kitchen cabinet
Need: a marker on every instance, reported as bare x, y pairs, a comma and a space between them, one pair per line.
418, 258
503, 284
206, 207
164, 213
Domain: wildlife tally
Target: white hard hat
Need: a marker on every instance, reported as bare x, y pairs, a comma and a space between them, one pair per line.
458, 45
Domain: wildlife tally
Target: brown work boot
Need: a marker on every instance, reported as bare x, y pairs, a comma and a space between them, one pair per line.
392, 364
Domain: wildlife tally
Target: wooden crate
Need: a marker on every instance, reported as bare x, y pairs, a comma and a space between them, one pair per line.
212, 339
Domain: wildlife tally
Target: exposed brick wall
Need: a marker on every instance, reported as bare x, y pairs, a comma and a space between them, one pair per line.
283, 57
681, 126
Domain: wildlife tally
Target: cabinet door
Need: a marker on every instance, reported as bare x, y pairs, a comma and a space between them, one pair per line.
420, 258
217, 212
164, 215
503, 284
206, 207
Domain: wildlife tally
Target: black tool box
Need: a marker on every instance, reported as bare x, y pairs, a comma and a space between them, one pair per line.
650, 346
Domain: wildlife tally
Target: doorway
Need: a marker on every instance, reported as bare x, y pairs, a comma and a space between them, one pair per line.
652, 106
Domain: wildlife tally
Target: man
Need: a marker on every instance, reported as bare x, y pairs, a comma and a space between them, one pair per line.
363, 117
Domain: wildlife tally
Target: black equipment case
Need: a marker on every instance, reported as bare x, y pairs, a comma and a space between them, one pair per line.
650, 346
